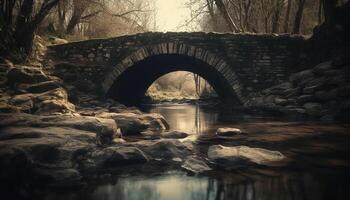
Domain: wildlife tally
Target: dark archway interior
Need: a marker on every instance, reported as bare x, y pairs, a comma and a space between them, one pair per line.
130, 87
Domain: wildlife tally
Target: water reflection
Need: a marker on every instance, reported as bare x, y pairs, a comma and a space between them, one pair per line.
170, 187
188, 118
181, 187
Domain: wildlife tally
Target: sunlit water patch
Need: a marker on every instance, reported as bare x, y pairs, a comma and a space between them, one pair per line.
189, 118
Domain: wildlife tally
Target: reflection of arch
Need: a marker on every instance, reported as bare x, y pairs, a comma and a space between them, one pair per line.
147, 64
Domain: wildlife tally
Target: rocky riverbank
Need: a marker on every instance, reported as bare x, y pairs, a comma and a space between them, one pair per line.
322, 92
53, 138
44, 135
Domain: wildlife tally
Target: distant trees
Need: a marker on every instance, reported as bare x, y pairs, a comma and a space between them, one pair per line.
19, 20
298, 16
260, 16
84, 19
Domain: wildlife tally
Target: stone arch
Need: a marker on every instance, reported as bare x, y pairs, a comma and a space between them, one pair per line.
204, 56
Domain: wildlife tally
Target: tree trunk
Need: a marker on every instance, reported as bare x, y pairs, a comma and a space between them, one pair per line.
329, 10
247, 7
299, 16
61, 12
286, 19
17, 37
210, 5
78, 10
223, 10
276, 16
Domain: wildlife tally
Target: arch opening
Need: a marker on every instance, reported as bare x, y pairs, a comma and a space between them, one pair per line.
180, 86
131, 85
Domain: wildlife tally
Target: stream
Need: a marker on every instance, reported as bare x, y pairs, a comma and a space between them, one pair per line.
314, 174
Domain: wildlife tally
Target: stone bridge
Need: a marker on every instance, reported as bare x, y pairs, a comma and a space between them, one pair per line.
236, 65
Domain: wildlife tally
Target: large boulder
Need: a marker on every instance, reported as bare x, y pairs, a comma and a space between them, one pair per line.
112, 157
53, 101
46, 103
164, 149
105, 129
299, 77
35, 149
131, 123
243, 155
124, 155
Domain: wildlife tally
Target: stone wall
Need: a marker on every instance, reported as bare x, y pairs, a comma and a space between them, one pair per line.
257, 60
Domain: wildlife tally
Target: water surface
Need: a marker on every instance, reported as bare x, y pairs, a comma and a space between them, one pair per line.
318, 170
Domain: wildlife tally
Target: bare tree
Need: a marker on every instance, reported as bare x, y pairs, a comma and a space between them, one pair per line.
298, 16
276, 16
83, 16
228, 19
286, 18
18, 22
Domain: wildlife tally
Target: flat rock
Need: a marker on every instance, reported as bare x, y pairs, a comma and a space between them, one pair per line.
313, 108
124, 155
228, 131
164, 148
241, 155
105, 129
131, 123
174, 134
195, 165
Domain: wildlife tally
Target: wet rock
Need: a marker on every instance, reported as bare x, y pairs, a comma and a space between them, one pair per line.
309, 90
195, 165
53, 101
105, 129
303, 75
164, 148
174, 134
281, 102
50, 147
305, 98
281, 88
123, 156
293, 92
316, 83
241, 155
54, 106
322, 67
313, 109
131, 123
294, 112
228, 131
